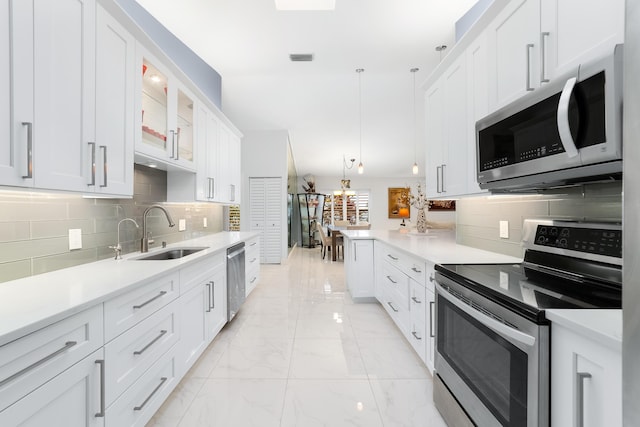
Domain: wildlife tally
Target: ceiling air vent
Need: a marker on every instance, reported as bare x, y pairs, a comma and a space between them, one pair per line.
301, 57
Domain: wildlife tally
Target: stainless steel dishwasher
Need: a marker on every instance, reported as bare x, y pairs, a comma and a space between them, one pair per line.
235, 279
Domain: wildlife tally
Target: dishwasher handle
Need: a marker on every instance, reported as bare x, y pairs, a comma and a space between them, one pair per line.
235, 253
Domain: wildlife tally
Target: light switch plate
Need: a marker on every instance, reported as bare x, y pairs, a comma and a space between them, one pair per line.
182, 225
75, 238
204, 222
504, 229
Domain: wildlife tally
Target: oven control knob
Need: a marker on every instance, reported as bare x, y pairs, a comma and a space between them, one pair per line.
562, 243
541, 240
564, 232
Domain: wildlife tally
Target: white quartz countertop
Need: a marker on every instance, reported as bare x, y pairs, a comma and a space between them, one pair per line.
437, 246
603, 326
34, 302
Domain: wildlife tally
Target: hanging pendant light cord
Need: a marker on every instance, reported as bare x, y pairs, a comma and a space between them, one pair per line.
359, 71
415, 132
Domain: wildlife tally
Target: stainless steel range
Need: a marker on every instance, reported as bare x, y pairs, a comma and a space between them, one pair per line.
492, 335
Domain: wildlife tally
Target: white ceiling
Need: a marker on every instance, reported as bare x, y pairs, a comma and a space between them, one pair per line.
248, 42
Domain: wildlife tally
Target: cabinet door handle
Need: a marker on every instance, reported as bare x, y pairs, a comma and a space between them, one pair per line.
431, 319
253, 280
416, 270
529, 47
104, 164
391, 280
431, 279
208, 285
392, 307
177, 136
213, 295
253, 260
155, 390
416, 300
415, 335
442, 170
232, 193
543, 56
100, 414
149, 301
93, 164
580, 377
253, 244
392, 257
153, 341
29, 126
355, 252
438, 169
173, 144
34, 365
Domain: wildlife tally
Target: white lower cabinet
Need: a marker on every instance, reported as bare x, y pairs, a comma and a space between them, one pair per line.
252, 264
358, 255
404, 287
130, 355
586, 381
70, 399
138, 404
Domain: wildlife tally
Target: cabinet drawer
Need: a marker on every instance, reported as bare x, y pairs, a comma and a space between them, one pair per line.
195, 274
418, 336
396, 283
412, 266
133, 352
417, 300
398, 312
138, 404
124, 311
34, 359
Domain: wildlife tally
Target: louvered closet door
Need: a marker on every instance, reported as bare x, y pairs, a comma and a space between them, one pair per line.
266, 216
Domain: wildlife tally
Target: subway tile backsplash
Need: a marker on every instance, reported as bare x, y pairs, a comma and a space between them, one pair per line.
477, 218
34, 226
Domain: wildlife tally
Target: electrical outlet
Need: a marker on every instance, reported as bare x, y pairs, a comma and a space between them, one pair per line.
182, 225
204, 222
75, 238
504, 229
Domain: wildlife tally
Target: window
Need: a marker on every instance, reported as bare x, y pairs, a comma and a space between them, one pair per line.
349, 205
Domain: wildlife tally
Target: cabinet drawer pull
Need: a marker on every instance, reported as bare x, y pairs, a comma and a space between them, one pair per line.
416, 300
104, 165
416, 270
392, 257
431, 319
415, 335
135, 307
93, 164
392, 307
431, 279
253, 280
102, 394
253, 244
29, 126
253, 260
155, 390
213, 295
391, 280
580, 377
139, 352
66, 347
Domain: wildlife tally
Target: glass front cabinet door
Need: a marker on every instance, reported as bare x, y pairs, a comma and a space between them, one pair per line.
167, 117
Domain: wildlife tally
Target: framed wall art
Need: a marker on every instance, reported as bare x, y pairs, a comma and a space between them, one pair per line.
399, 206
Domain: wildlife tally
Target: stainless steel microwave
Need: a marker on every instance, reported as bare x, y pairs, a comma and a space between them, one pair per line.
566, 132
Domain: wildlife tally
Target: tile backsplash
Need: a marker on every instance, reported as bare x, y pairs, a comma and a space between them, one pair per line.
477, 218
34, 226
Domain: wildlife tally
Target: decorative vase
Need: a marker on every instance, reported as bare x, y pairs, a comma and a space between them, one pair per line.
421, 224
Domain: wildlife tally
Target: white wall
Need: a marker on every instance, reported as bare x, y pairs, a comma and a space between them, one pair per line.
378, 190
264, 154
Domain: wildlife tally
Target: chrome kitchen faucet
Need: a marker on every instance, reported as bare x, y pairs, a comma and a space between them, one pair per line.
144, 244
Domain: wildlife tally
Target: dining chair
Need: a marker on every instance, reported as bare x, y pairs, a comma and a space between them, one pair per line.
325, 242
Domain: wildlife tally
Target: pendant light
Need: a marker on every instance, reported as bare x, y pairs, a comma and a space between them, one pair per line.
359, 71
414, 169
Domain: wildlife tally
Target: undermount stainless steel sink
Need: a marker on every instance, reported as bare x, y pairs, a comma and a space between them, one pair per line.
175, 253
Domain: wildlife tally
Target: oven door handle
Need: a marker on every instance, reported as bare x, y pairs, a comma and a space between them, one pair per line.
497, 326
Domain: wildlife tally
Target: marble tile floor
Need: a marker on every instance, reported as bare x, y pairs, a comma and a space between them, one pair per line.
301, 353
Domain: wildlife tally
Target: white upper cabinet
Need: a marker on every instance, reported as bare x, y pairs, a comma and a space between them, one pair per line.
67, 98
574, 32
514, 52
115, 78
166, 115
446, 127
228, 183
9, 169
53, 100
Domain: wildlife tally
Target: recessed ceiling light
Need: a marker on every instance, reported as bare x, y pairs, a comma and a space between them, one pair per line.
305, 4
